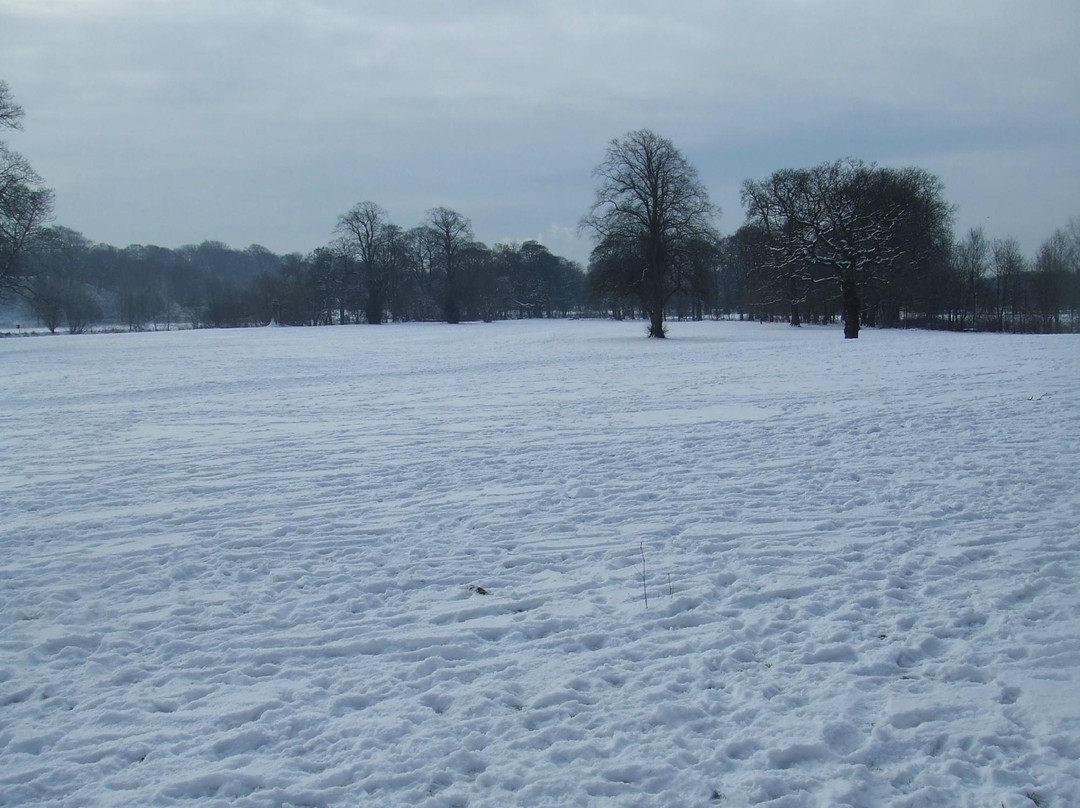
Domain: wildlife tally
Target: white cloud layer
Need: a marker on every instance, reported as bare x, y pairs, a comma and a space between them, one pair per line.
262, 120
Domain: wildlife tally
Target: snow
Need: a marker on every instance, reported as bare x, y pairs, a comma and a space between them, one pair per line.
401, 565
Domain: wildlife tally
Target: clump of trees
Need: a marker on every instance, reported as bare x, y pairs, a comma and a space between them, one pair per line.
375, 271
973, 283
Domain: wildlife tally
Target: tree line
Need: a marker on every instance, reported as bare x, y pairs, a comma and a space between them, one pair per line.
373, 272
843, 241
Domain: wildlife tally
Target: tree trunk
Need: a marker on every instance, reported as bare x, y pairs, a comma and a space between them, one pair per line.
656, 324
850, 293
374, 309
451, 310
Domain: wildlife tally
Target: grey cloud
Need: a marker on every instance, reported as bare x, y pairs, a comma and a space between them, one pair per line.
261, 121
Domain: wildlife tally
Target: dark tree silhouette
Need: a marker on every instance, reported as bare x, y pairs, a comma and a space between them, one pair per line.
25, 206
452, 233
650, 218
853, 220
363, 229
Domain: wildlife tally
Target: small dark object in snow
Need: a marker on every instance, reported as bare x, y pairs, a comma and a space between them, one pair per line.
477, 589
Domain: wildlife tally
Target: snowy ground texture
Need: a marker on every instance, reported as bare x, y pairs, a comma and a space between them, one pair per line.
244, 568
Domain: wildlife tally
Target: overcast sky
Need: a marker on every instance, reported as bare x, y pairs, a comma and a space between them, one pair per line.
172, 122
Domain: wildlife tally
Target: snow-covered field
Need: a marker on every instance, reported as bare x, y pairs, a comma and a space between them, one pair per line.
402, 566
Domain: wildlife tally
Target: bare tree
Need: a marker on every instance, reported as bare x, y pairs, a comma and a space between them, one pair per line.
853, 219
1052, 270
1009, 264
971, 261
10, 113
650, 216
395, 256
25, 211
25, 206
421, 250
453, 233
57, 278
363, 229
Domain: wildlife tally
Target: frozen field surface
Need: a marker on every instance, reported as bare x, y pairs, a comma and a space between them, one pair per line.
402, 566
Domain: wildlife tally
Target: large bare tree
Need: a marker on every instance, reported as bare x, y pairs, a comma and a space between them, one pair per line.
851, 219
25, 206
453, 233
650, 218
363, 230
